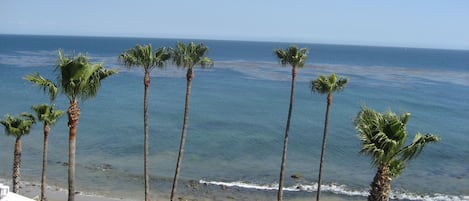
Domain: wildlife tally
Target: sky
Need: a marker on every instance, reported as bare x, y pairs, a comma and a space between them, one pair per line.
403, 23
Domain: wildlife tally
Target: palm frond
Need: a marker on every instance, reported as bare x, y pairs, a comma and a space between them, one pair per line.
341, 83
161, 56
396, 167
415, 148
281, 54
44, 84
129, 58
206, 62
320, 85
28, 117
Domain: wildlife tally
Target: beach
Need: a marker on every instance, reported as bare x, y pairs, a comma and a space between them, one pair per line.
237, 121
191, 192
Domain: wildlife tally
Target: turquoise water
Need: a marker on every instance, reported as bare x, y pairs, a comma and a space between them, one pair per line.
237, 118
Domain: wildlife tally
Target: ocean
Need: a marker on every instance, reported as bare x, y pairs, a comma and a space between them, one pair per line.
237, 120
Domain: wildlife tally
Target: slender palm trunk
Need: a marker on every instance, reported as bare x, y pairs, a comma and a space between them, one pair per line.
323, 149
73, 115
381, 186
16, 166
44, 162
146, 83
285, 142
184, 131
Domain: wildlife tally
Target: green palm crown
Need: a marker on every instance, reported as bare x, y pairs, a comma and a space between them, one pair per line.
79, 78
383, 137
18, 126
292, 55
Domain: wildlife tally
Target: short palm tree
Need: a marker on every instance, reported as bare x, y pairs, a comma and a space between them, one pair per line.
78, 79
17, 127
383, 136
48, 115
326, 85
187, 56
296, 58
143, 56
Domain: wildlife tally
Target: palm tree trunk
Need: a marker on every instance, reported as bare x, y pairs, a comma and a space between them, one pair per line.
184, 131
324, 139
44, 162
73, 115
146, 83
285, 142
381, 186
16, 166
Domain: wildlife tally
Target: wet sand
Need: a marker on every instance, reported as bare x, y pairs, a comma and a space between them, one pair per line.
187, 191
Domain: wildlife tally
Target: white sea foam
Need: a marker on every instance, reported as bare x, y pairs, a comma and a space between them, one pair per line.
338, 189
26, 60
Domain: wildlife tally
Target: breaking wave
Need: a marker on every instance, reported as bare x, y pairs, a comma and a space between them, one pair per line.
338, 189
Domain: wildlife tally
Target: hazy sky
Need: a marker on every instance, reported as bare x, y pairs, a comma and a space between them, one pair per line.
410, 23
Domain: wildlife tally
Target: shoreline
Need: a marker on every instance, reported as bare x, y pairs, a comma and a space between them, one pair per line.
189, 191
32, 190
192, 190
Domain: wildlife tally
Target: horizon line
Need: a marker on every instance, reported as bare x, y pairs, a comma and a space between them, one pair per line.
239, 40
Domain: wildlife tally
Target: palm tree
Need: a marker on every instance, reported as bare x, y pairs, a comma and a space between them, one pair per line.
326, 85
383, 136
143, 56
296, 58
187, 56
78, 79
17, 127
48, 115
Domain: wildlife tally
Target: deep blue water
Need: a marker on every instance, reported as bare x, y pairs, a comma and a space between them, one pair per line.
238, 113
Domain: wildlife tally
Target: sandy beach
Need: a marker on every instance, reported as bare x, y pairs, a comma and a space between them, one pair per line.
195, 193
32, 190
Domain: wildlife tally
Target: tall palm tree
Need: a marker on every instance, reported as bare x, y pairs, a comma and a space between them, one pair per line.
383, 136
187, 56
48, 115
143, 56
296, 58
17, 127
326, 85
78, 79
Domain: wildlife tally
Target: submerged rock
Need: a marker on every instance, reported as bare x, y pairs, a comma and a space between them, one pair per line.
100, 167
194, 184
296, 176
